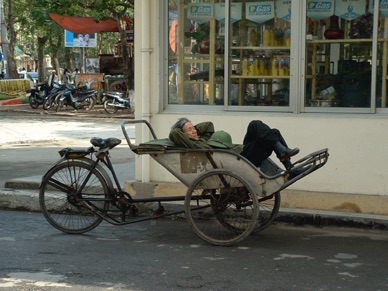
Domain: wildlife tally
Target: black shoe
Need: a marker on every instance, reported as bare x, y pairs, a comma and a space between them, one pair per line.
288, 154
284, 153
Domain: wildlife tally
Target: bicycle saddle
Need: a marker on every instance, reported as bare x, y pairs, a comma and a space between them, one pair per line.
110, 142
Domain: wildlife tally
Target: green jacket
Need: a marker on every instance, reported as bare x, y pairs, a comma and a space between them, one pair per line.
205, 131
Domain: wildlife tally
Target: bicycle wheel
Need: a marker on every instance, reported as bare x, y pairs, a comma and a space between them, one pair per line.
217, 211
268, 209
65, 208
109, 107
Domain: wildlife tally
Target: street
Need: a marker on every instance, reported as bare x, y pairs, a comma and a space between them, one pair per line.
162, 254
166, 255
29, 143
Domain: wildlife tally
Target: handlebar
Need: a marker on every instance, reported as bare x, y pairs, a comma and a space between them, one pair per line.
123, 128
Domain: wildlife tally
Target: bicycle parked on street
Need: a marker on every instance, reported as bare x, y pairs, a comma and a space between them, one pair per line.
227, 199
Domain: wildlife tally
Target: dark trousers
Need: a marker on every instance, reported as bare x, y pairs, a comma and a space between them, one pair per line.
259, 142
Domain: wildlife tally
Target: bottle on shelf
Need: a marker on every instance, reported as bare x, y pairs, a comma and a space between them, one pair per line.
262, 66
252, 37
275, 66
244, 67
256, 66
287, 37
250, 66
283, 67
268, 36
278, 37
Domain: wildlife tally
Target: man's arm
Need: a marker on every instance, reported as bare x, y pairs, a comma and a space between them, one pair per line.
179, 138
205, 129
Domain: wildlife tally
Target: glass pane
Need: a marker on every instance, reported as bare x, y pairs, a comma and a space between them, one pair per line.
339, 57
196, 52
382, 69
260, 48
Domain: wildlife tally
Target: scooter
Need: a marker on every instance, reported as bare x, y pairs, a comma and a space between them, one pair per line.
77, 98
113, 101
39, 95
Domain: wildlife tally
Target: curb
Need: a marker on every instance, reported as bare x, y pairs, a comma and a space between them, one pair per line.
95, 113
28, 200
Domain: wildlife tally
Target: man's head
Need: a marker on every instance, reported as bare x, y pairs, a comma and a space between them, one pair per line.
187, 127
53, 72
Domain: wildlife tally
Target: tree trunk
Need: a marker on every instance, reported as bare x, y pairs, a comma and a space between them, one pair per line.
68, 61
13, 73
41, 44
127, 58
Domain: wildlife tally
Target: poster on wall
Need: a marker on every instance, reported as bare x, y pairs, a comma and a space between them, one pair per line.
92, 65
92, 81
318, 10
283, 9
260, 12
80, 40
109, 65
350, 9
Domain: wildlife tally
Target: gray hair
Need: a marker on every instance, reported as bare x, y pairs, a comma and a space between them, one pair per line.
180, 123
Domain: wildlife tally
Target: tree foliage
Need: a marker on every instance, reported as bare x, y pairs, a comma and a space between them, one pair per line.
31, 30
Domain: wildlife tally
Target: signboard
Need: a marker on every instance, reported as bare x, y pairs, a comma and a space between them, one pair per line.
318, 10
235, 12
260, 12
383, 7
200, 12
350, 9
80, 40
283, 9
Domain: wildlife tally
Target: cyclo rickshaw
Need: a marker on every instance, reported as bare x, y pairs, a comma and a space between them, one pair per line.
227, 197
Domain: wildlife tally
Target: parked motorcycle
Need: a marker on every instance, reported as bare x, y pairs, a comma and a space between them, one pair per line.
38, 95
77, 98
113, 101
50, 101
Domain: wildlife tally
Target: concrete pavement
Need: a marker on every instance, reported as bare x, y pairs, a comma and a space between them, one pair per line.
22, 193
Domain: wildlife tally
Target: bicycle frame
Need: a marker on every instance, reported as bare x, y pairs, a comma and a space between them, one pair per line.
116, 196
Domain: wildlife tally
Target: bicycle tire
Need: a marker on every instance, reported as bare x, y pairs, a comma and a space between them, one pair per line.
215, 211
268, 210
59, 203
110, 108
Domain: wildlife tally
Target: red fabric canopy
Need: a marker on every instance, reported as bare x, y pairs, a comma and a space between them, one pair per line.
85, 25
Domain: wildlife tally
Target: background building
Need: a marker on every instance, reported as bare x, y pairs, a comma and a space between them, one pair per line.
316, 70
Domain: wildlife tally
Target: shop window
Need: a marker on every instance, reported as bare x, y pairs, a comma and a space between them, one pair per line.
339, 54
260, 34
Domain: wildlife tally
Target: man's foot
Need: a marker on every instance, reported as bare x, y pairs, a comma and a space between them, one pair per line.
288, 153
